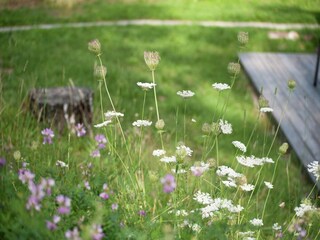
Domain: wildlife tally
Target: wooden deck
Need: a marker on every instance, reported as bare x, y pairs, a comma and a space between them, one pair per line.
301, 124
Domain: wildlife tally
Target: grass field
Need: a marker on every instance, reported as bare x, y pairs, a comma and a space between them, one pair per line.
191, 58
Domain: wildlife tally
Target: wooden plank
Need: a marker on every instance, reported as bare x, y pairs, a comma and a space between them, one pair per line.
301, 125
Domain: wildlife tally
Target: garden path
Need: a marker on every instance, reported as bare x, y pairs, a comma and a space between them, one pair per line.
141, 22
298, 111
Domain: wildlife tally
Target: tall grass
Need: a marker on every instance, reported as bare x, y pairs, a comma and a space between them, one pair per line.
157, 178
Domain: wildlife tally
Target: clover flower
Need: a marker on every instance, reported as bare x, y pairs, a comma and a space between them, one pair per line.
142, 213
146, 86
47, 134
199, 170
80, 130
152, 59
104, 195
64, 204
114, 206
96, 232
73, 234
240, 146
225, 127
220, 86
186, 93
314, 168
256, 222
169, 183
46, 185
95, 153
141, 123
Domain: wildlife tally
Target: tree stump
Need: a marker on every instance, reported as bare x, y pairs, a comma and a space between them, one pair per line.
62, 106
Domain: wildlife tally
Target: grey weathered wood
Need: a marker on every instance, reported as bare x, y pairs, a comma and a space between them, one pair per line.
62, 106
300, 121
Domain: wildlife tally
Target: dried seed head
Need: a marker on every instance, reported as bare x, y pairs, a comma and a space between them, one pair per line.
17, 155
234, 68
100, 72
206, 128
243, 37
152, 59
160, 124
283, 148
94, 46
291, 84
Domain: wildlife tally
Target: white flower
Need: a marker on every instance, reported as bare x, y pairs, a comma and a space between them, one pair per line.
276, 227
193, 120
253, 161
158, 152
105, 123
180, 171
314, 168
247, 187
225, 127
266, 109
199, 170
183, 151
229, 183
112, 114
196, 228
182, 212
61, 164
245, 234
203, 198
227, 171
303, 208
146, 86
220, 86
240, 146
268, 184
168, 159
185, 93
256, 222
141, 123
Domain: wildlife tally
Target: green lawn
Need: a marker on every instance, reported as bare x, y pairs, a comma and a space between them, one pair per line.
228, 10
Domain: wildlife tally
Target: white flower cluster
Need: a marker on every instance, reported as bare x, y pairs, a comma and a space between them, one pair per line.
215, 205
224, 171
158, 152
113, 114
266, 109
142, 123
247, 187
146, 86
240, 146
303, 208
276, 227
220, 86
256, 222
168, 159
103, 124
225, 127
183, 151
268, 184
186, 93
253, 161
61, 164
193, 226
180, 171
314, 168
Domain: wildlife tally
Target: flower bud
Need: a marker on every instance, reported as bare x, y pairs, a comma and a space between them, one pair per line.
243, 37
291, 84
17, 155
234, 68
152, 59
283, 148
94, 46
263, 102
160, 124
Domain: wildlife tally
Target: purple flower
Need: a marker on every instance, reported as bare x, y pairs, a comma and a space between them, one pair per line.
64, 204
101, 140
25, 175
33, 202
73, 234
114, 206
53, 225
168, 183
96, 232
47, 136
87, 185
80, 130
2, 162
46, 185
142, 213
104, 195
95, 153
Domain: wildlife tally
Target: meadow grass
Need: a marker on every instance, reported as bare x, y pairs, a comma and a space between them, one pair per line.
97, 10
191, 58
